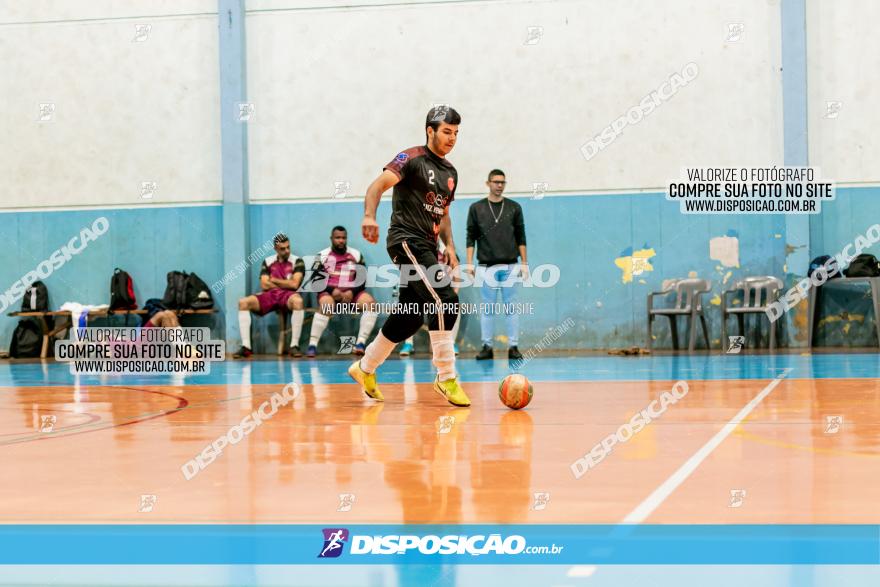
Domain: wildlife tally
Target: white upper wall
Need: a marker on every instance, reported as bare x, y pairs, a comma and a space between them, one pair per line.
16, 11
843, 65
338, 92
125, 111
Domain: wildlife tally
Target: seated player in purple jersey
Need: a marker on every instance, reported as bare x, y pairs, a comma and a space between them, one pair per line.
280, 277
343, 285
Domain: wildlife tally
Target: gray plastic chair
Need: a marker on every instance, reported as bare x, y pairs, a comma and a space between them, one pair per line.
758, 292
688, 302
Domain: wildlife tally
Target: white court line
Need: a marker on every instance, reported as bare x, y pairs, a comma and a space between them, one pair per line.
653, 501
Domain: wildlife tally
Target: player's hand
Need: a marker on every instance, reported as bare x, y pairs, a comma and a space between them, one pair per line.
451, 260
370, 229
524, 268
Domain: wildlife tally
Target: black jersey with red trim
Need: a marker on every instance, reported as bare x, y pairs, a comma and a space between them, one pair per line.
426, 187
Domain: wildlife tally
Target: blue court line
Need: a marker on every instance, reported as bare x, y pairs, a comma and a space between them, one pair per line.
654, 368
302, 544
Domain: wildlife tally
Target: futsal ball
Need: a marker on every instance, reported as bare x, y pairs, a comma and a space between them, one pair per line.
515, 391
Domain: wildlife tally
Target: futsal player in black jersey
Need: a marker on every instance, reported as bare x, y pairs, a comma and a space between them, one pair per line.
424, 183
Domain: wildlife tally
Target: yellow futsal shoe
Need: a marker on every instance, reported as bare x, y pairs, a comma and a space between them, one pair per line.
452, 392
367, 381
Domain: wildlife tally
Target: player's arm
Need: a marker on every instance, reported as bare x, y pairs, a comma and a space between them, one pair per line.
446, 237
361, 260
519, 231
299, 269
265, 278
383, 183
363, 263
473, 234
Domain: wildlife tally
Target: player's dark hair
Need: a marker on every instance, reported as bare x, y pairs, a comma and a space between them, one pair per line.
280, 238
337, 227
441, 113
496, 172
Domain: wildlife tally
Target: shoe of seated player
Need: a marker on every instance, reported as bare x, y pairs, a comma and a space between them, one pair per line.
513, 354
452, 392
243, 353
485, 353
455, 348
295, 352
312, 352
359, 349
406, 350
367, 381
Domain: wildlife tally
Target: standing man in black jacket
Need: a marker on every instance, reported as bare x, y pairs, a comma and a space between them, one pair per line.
496, 225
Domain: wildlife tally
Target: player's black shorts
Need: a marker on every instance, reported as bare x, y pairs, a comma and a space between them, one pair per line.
420, 295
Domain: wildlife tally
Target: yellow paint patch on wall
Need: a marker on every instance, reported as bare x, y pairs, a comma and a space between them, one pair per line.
716, 300
635, 264
848, 318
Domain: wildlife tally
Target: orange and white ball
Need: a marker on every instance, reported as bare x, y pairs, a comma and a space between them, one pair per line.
515, 391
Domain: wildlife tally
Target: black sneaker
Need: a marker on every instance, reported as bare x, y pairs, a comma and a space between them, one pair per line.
243, 353
485, 353
513, 354
295, 352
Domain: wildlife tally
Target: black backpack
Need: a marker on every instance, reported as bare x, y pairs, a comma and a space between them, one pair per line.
36, 298
198, 296
122, 291
863, 265
175, 290
819, 262
27, 340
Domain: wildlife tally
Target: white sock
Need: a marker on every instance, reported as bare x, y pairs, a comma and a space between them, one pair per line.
376, 353
244, 327
319, 323
444, 355
178, 344
296, 326
368, 320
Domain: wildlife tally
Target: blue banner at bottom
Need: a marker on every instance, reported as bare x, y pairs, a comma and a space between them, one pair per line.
267, 544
